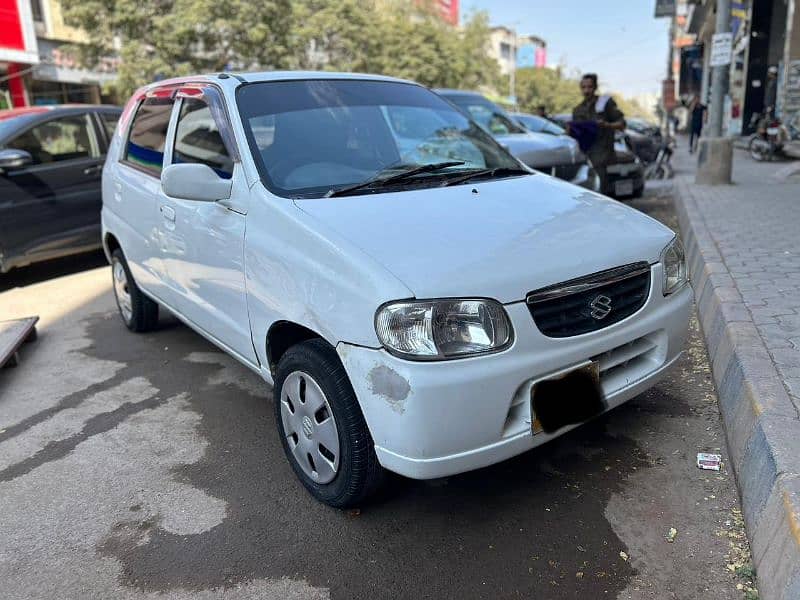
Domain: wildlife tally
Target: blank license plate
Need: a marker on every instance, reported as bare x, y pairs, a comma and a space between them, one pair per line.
623, 188
572, 397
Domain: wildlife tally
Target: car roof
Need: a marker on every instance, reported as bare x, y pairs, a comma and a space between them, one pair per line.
14, 120
300, 75
452, 92
27, 111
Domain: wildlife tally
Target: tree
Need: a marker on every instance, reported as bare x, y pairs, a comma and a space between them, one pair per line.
164, 38
548, 87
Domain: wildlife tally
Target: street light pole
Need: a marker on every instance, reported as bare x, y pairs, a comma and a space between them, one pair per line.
719, 75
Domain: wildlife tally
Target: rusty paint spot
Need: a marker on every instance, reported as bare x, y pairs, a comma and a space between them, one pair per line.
392, 387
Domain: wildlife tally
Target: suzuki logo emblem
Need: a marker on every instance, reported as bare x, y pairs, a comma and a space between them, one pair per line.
600, 307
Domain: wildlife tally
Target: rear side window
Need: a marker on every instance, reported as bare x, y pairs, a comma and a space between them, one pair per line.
148, 136
197, 139
109, 121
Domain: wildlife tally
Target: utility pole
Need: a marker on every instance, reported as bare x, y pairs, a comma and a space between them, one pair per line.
715, 158
720, 75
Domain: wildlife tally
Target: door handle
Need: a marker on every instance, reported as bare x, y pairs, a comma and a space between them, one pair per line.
167, 212
93, 169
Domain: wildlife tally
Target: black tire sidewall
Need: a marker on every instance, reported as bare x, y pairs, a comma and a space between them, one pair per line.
144, 312
352, 482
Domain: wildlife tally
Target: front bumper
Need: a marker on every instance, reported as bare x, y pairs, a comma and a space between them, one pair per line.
433, 419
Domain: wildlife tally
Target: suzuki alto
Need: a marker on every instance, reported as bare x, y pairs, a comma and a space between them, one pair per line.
420, 300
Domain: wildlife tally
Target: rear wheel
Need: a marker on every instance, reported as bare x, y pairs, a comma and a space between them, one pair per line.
138, 312
322, 429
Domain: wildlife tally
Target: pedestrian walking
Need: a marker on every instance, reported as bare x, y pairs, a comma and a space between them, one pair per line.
698, 115
594, 122
771, 92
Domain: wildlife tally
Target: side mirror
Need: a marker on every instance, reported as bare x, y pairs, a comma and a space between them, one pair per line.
195, 182
11, 158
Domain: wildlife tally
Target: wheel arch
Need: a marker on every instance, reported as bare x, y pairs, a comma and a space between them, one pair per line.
281, 336
110, 243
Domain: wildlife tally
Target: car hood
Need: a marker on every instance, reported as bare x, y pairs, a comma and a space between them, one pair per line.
499, 239
542, 149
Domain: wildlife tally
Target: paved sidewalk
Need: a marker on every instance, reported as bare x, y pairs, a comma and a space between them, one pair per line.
743, 248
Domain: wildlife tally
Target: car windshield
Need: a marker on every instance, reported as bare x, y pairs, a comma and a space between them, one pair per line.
311, 137
487, 114
539, 124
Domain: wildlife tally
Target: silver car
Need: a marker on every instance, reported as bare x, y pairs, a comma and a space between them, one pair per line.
556, 155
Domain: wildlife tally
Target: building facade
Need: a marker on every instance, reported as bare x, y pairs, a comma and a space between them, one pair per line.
33, 68
512, 50
766, 33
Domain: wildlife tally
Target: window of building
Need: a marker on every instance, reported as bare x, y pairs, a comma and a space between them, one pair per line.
505, 50
36, 11
197, 139
148, 135
61, 139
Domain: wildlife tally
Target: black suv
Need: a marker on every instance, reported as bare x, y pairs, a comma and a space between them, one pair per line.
51, 159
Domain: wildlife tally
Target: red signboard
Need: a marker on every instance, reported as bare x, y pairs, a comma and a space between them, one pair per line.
449, 10
11, 26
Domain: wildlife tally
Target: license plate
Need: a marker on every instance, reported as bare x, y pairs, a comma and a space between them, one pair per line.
567, 398
772, 130
623, 188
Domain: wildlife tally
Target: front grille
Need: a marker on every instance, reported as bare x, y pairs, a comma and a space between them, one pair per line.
565, 172
590, 303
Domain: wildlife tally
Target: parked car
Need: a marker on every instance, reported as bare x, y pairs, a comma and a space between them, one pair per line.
538, 124
50, 163
422, 310
626, 175
558, 155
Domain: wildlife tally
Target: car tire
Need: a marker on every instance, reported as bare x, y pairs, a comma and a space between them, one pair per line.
316, 407
138, 312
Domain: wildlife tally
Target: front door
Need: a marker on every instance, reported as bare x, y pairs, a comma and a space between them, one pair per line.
52, 206
202, 243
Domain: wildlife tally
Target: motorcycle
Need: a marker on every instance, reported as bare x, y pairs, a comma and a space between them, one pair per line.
661, 167
769, 138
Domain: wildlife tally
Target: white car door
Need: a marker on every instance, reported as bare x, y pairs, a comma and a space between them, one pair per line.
132, 191
202, 243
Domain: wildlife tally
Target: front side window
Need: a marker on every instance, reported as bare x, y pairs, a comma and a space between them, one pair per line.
197, 139
67, 138
489, 116
148, 135
310, 137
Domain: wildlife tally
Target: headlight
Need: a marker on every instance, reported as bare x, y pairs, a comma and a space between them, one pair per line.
673, 259
439, 329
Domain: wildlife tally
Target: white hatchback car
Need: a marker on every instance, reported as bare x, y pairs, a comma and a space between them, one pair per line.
422, 301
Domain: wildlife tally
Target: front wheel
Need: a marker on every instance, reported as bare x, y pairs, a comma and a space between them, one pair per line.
322, 429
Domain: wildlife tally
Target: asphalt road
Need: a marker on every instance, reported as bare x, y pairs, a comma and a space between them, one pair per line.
133, 466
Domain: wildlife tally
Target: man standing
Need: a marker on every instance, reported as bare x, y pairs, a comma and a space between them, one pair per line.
698, 116
596, 119
771, 92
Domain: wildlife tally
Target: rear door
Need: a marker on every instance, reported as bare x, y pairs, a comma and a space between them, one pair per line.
52, 206
135, 184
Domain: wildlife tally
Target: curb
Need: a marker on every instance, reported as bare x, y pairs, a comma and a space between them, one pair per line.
761, 423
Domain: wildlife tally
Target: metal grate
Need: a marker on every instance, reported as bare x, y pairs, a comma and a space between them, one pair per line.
590, 303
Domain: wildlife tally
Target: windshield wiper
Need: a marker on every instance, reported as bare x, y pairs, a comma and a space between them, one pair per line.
486, 173
381, 181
